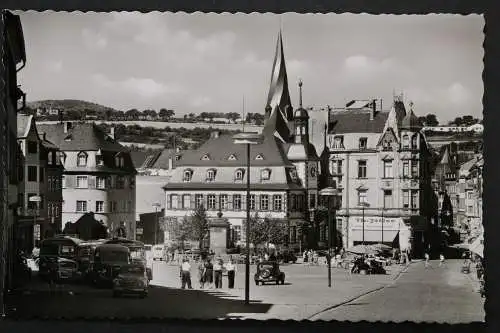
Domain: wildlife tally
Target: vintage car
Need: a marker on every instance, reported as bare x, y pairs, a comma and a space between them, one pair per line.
137, 253
107, 262
269, 271
60, 252
131, 279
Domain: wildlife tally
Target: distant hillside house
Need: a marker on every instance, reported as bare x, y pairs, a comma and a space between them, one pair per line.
99, 175
159, 163
477, 128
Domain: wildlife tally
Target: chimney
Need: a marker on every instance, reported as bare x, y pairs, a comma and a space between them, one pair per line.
67, 126
214, 134
170, 163
374, 109
112, 133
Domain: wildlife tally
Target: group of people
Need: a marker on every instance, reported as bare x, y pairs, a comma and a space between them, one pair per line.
427, 258
209, 274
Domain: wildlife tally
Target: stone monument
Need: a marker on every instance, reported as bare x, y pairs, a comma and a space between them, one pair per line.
219, 234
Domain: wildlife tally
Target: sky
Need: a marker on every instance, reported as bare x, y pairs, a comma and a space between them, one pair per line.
213, 62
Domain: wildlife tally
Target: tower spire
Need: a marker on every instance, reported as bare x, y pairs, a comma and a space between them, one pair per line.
278, 98
300, 93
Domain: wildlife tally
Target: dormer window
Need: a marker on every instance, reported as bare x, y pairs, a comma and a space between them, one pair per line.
82, 159
265, 174
406, 141
188, 175
293, 174
205, 157
232, 157
414, 142
211, 175
338, 142
259, 157
363, 143
238, 175
119, 161
62, 157
50, 156
99, 160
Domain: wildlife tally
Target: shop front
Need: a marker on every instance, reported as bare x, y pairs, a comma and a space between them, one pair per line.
391, 231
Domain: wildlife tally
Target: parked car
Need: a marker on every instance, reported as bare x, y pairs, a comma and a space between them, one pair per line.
108, 260
269, 271
131, 279
287, 257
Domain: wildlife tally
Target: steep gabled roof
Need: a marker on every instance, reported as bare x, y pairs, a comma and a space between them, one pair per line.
23, 124
82, 136
354, 121
163, 159
221, 147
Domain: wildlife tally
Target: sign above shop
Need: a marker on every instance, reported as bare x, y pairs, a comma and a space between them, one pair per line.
375, 222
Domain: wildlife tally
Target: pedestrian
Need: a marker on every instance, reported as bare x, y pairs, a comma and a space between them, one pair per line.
441, 260
209, 273
185, 274
201, 272
231, 272
218, 273
266, 256
426, 260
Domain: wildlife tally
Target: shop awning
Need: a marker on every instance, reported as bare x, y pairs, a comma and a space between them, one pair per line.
373, 235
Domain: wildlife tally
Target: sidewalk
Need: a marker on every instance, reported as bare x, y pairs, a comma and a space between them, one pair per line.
37, 286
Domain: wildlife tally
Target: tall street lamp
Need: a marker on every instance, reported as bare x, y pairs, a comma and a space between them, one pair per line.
332, 195
248, 139
36, 199
364, 204
156, 205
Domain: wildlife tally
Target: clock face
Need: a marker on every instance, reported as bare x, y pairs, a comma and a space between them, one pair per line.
313, 172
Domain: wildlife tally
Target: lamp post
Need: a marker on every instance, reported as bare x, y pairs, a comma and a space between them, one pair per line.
331, 194
363, 205
248, 139
156, 205
35, 199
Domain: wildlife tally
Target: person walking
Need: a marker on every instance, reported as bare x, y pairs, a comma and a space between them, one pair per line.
441, 260
209, 273
231, 272
201, 272
426, 260
186, 274
218, 273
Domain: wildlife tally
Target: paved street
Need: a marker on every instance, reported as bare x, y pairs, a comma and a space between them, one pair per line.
304, 296
438, 294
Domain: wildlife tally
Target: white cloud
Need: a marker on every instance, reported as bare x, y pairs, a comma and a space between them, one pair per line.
144, 87
200, 101
458, 94
94, 40
357, 63
54, 66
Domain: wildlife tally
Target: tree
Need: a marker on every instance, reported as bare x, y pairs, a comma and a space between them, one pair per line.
258, 118
133, 114
166, 113
431, 120
197, 226
233, 116
264, 231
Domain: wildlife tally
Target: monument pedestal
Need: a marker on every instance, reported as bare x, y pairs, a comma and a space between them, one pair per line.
219, 235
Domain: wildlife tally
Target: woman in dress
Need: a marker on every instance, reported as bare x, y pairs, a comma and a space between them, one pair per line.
209, 273
201, 273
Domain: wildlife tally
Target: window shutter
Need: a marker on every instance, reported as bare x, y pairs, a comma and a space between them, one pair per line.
169, 201
91, 182
70, 181
244, 202
229, 202
193, 201
257, 202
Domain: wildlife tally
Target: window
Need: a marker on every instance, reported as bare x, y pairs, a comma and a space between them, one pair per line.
469, 195
120, 182
414, 199
112, 206
82, 159
174, 201
338, 141
32, 147
63, 181
188, 174
50, 183
414, 168
264, 202
406, 199
62, 157
81, 206
312, 200
363, 143
362, 169
211, 175
387, 198
223, 201
186, 201
32, 204
131, 182
277, 202
238, 175
99, 206
388, 171
101, 182
41, 171
232, 157
50, 156
237, 202
259, 157
406, 141
470, 209
99, 160
414, 142
265, 174
406, 169
362, 197
119, 161
82, 182
252, 201
211, 202
336, 167
205, 157
56, 210
32, 173
198, 200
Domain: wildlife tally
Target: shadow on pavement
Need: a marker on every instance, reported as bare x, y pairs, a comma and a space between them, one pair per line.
161, 302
